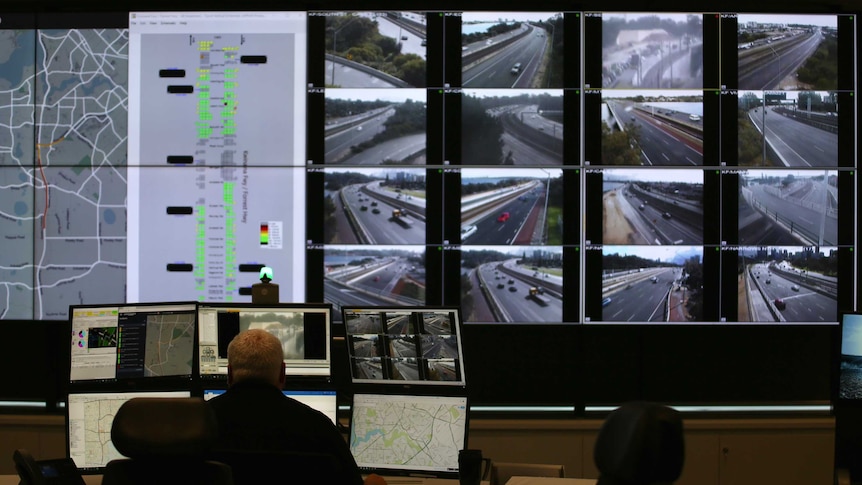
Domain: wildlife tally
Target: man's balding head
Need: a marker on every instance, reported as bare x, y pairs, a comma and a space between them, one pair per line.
255, 355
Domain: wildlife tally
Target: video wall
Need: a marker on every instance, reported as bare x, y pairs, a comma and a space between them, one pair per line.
545, 167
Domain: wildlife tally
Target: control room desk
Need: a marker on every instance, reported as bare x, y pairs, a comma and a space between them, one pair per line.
97, 480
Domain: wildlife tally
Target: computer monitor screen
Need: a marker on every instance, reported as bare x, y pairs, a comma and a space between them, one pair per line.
322, 400
130, 341
404, 345
850, 366
398, 434
89, 417
302, 328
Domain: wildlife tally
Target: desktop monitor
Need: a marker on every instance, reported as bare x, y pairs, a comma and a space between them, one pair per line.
130, 341
849, 386
89, 417
408, 435
405, 345
323, 400
302, 328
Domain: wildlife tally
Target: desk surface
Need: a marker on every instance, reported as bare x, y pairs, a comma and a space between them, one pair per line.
550, 481
13, 479
97, 480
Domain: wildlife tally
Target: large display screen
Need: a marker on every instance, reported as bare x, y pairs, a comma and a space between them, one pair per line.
531, 167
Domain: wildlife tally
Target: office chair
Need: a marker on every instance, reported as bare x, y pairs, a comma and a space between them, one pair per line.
250, 467
502, 472
166, 441
640, 443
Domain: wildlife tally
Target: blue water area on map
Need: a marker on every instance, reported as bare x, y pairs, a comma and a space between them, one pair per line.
13, 69
368, 435
88, 88
20, 208
110, 217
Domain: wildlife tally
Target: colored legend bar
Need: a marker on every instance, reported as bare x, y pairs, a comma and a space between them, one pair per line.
264, 234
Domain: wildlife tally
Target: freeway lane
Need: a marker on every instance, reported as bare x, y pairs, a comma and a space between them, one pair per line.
802, 304
514, 297
411, 43
787, 55
661, 146
656, 226
496, 70
375, 217
797, 144
643, 301
337, 146
491, 230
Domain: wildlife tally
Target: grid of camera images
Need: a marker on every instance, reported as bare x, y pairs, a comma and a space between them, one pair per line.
584, 167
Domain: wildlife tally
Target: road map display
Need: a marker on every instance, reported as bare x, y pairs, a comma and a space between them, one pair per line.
170, 345
408, 432
63, 102
90, 420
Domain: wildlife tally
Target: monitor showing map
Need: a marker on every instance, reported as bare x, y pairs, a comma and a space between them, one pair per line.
322, 400
404, 435
89, 417
131, 341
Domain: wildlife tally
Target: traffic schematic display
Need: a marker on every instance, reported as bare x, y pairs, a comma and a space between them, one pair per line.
406, 434
230, 147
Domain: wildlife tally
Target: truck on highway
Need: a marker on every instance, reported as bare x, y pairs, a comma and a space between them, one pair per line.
537, 294
399, 216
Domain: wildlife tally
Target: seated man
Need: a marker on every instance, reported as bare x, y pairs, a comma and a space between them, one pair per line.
257, 421
640, 443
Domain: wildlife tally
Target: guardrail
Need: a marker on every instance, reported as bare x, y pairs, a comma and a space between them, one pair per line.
340, 127
776, 313
416, 211
482, 206
540, 141
817, 285
806, 235
825, 123
369, 70
357, 226
687, 128
496, 308
467, 60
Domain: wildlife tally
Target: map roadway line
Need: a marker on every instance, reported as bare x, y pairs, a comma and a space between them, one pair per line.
44, 179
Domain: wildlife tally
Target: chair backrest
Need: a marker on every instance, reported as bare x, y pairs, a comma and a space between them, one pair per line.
640, 443
257, 467
501, 472
166, 441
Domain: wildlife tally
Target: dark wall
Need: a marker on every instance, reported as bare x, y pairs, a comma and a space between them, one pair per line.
549, 365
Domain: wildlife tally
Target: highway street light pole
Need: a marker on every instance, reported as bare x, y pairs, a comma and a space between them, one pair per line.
763, 128
545, 212
778, 81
